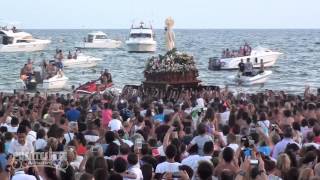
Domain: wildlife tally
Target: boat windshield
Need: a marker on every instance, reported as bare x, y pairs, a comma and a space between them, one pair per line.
101, 37
22, 41
5, 40
140, 35
90, 38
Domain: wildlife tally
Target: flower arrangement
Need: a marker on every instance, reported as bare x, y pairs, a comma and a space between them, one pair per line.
172, 61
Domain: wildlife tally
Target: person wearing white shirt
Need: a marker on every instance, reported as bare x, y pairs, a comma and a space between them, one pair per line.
193, 159
202, 138
21, 175
134, 166
13, 126
21, 145
264, 123
169, 165
115, 125
232, 142
224, 116
200, 102
12, 129
40, 143
32, 136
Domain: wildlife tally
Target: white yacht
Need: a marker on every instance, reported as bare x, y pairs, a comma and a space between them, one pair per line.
98, 40
15, 41
141, 39
256, 56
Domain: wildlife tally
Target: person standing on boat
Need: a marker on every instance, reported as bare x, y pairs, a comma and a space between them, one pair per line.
23, 73
248, 68
241, 66
223, 53
29, 69
69, 55
227, 53
261, 66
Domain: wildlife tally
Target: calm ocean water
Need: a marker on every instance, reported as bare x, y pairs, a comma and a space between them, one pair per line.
297, 67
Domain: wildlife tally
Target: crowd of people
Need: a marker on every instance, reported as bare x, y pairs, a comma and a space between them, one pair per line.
243, 51
203, 134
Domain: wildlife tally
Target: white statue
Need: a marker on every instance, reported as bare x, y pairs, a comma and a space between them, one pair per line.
170, 37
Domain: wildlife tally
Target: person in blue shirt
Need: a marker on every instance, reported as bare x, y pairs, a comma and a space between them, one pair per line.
73, 114
160, 116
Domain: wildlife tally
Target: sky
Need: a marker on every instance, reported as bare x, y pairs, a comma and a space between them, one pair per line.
188, 14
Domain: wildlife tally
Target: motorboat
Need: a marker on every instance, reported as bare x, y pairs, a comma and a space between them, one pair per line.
92, 87
256, 56
32, 82
15, 41
99, 39
58, 81
141, 39
81, 61
257, 78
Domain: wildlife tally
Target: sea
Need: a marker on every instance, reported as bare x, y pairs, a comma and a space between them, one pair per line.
297, 68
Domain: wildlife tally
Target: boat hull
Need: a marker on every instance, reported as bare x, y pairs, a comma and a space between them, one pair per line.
269, 59
56, 82
25, 47
141, 47
251, 80
81, 62
92, 88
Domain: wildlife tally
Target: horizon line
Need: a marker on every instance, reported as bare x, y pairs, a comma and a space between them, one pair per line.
175, 28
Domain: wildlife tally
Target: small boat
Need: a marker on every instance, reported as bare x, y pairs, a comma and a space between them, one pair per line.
92, 87
58, 81
82, 61
141, 39
267, 56
258, 78
15, 41
98, 40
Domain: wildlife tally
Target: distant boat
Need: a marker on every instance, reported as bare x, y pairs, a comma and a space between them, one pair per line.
97, 40
82, 61
268, 57
141, 39
14, 41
